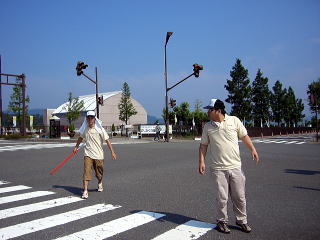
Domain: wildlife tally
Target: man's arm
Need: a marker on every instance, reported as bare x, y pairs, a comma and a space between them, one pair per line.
77, 145
246, 139
202, 154
113, 154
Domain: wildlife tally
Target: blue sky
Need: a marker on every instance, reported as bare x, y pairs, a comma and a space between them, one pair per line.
125, 40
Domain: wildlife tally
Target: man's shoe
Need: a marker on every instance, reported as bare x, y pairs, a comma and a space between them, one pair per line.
100, 187
244, 227
223, 227
85, 195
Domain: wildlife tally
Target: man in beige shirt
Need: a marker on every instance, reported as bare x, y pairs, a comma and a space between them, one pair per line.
94, 135
221, 134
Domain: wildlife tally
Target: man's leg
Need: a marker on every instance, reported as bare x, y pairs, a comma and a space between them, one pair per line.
87, 175
221, 191
98, 168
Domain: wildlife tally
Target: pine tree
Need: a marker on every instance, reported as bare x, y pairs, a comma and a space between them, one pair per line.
126, 108
277, 102
239, 91
314, 90
260, 99
16, 102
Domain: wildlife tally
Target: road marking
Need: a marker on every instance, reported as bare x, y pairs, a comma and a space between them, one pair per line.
10, 212
189, 230
52, 221
3, 182
14, 188
291, 142
24, 196
301, 143
35, 146
114, 227
281, 142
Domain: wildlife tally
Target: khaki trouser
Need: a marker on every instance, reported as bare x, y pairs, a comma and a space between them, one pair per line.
233, 182
97, 166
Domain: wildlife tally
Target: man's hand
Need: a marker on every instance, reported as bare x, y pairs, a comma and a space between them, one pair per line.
202, 168
75, 150
113, 155
255, 155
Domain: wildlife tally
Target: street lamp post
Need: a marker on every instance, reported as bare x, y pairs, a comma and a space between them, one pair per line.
166, 80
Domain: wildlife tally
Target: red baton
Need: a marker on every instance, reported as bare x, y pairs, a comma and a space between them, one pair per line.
63, 162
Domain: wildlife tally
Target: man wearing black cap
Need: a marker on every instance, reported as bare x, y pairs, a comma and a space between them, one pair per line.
222, 134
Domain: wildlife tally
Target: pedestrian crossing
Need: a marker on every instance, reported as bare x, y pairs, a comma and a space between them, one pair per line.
191, 229
279, 141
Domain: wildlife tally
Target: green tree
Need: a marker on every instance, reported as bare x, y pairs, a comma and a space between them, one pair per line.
183, 113
199, 116
260, 99
171, 116
239, 91
16, 102
314, 91
293, 108
126, 108
277, 102
73, 108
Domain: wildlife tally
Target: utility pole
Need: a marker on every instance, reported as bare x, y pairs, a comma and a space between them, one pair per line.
23, 86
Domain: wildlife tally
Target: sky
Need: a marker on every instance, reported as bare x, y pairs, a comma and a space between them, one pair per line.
125, 40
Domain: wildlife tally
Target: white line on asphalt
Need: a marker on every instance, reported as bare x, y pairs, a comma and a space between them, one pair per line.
301, 143
281, 142
52, 221
35, 146
24, 196
189, 230
14, 188
10, 212
3, 182
291, 142
114, 227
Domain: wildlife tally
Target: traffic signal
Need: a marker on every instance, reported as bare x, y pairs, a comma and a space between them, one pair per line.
100, 100
196, 69
172, 102
80, 67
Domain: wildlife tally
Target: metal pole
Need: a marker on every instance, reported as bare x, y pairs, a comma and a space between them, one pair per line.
97, 92
1, 116
23, 105
316, 102
166, 80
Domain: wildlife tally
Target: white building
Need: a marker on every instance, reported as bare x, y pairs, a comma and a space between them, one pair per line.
108, 112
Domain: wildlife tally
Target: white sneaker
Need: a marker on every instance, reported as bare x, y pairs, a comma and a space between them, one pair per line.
100, 187
85, 195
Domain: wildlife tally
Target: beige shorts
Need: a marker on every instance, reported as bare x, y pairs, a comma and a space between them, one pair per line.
96, 164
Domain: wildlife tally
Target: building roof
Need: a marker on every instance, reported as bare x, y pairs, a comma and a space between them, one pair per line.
89, 102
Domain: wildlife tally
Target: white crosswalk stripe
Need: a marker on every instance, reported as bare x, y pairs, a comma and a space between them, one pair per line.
13, 189
52, 221
35, 146
24, 196
3, 182
278, 141
189, 230
10, 212
114, 227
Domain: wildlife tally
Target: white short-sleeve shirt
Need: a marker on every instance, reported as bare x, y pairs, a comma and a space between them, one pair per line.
223, 144
94, 142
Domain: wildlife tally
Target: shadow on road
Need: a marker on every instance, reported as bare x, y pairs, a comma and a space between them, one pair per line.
304, 172
181, 219
307, 188
74, 190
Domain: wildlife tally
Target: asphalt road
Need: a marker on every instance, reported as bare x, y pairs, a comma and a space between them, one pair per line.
283, 191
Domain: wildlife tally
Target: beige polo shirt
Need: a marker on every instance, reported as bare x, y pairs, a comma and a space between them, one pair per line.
223, 144
94, 143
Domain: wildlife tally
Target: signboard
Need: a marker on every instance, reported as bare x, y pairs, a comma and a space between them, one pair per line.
151, 129
14, 121
31, 121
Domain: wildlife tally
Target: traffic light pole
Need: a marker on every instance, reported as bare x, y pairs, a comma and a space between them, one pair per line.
167, 107
96, 83
23, 86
